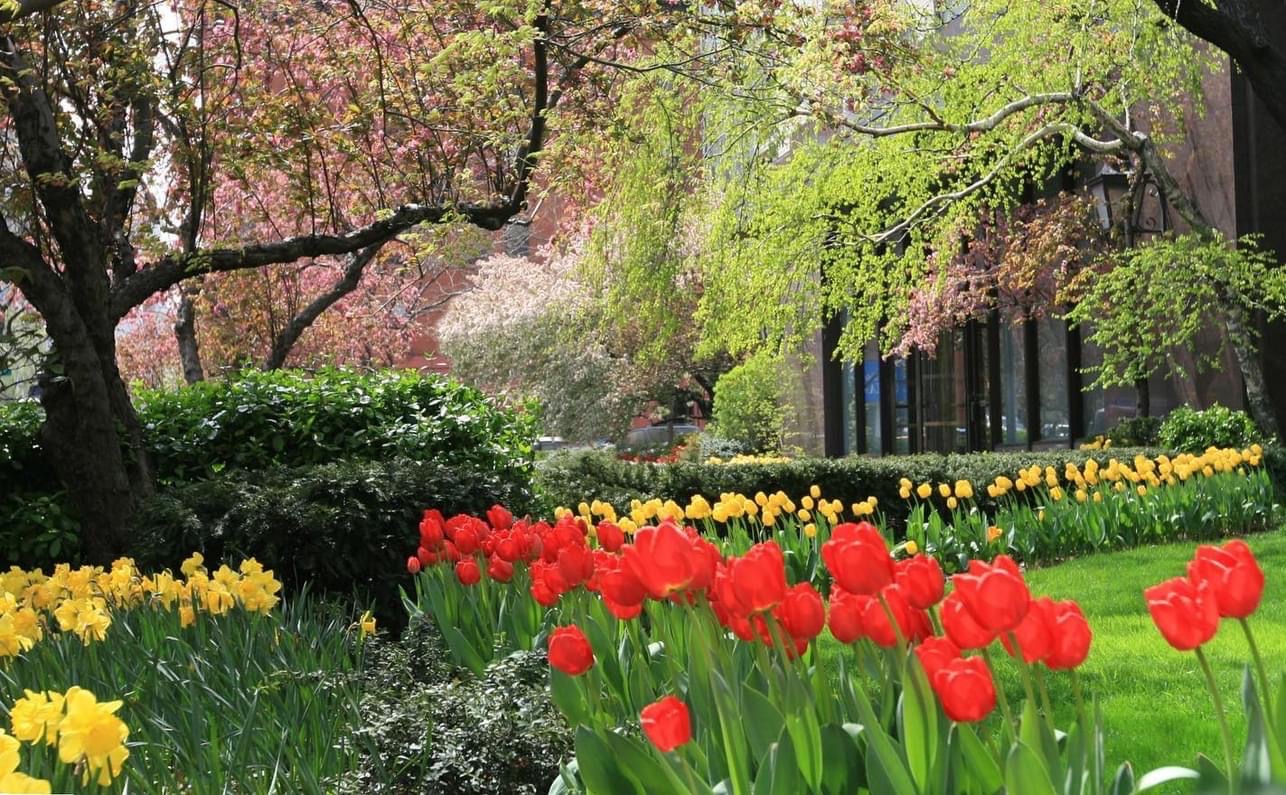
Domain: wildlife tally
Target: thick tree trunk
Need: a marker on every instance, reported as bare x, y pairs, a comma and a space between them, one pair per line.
185, 334
81, 438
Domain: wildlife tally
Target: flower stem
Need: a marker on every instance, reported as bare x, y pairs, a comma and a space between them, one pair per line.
1011, 729
1044, 696
1223, 719
1259, 667
1027, 678
1080, 699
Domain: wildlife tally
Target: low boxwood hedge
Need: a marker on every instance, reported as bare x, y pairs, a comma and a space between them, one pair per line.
340, 528
569, 478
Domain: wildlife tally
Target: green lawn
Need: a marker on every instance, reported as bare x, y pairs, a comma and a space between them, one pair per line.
1155, 704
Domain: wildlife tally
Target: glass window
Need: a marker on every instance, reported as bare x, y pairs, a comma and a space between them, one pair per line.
902, 408
943, 396
848, 402
871, 398
1051, 341
1013, 382
1103, 408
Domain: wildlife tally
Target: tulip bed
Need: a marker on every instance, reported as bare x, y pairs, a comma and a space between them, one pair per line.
709, 649
115, 679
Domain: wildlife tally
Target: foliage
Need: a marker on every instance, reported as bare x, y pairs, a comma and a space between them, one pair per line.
750, 404
711, 443
1135, 432
522, 331
332, 527
240, 699
1188, 429
289, 418
1147, 301
432, 731
567, 478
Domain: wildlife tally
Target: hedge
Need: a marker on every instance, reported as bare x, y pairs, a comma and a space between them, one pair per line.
340, 528
569, 478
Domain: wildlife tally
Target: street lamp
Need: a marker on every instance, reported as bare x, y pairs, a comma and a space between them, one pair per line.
1144, 207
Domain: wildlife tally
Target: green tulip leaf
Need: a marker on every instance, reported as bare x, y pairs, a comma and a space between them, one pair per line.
842, 768
884, 764
598, 768
568, 696
1164, 775
1256, 759
978, 761
918, 723
1123, 783
778, 773
764, 722
1025, 772
655, 776
1035, 733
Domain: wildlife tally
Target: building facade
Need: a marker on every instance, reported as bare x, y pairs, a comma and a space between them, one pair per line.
1005, 382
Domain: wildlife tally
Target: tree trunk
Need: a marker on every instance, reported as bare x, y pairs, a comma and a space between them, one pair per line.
185, 334
1252, 371
81, 438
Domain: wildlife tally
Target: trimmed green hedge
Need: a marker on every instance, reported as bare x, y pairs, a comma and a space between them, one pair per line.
339, 528
568, 478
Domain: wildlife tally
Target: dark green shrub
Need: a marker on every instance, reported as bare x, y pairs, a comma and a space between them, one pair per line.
1135, 432
436, 733
289, 418
568, 478
1188, 430
339, 527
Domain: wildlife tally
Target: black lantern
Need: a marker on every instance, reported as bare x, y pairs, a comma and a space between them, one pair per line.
1146, 211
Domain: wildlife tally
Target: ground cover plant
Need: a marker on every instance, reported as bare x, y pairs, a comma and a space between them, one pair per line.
200, 682
707, 648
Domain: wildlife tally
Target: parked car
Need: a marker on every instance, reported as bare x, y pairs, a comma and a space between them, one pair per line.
655, 436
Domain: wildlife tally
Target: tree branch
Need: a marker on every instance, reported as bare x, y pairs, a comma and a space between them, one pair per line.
17, 9
285, 341
173, 269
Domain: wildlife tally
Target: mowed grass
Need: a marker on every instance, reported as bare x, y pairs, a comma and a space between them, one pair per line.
1156, 708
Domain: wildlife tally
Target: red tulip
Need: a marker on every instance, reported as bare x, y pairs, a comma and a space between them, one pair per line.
426, 557
920, 580
569, 651
759, 577
662, 559
875, 617
466, 540
666, 723
1186, 613
995, 595
610, 537
543, 594
623, 612
575, 564
1234, 576
965, 689
467, 571
499, 517
935, 653
858, 558
802, 613
1033, 633
431, 528
500, 569
413, 565
1071, 637
960, 625
845, 616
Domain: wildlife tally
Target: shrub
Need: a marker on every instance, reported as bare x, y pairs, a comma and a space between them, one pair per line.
1135, 432
713, 444
749, 403
568, 478
289, 418
339, 527
433, 732
1192, 431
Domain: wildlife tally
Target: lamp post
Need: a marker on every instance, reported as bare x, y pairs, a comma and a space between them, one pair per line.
1137, 205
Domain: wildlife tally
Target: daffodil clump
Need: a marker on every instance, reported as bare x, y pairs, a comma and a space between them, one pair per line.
82, 601
1041, 513
85, 732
